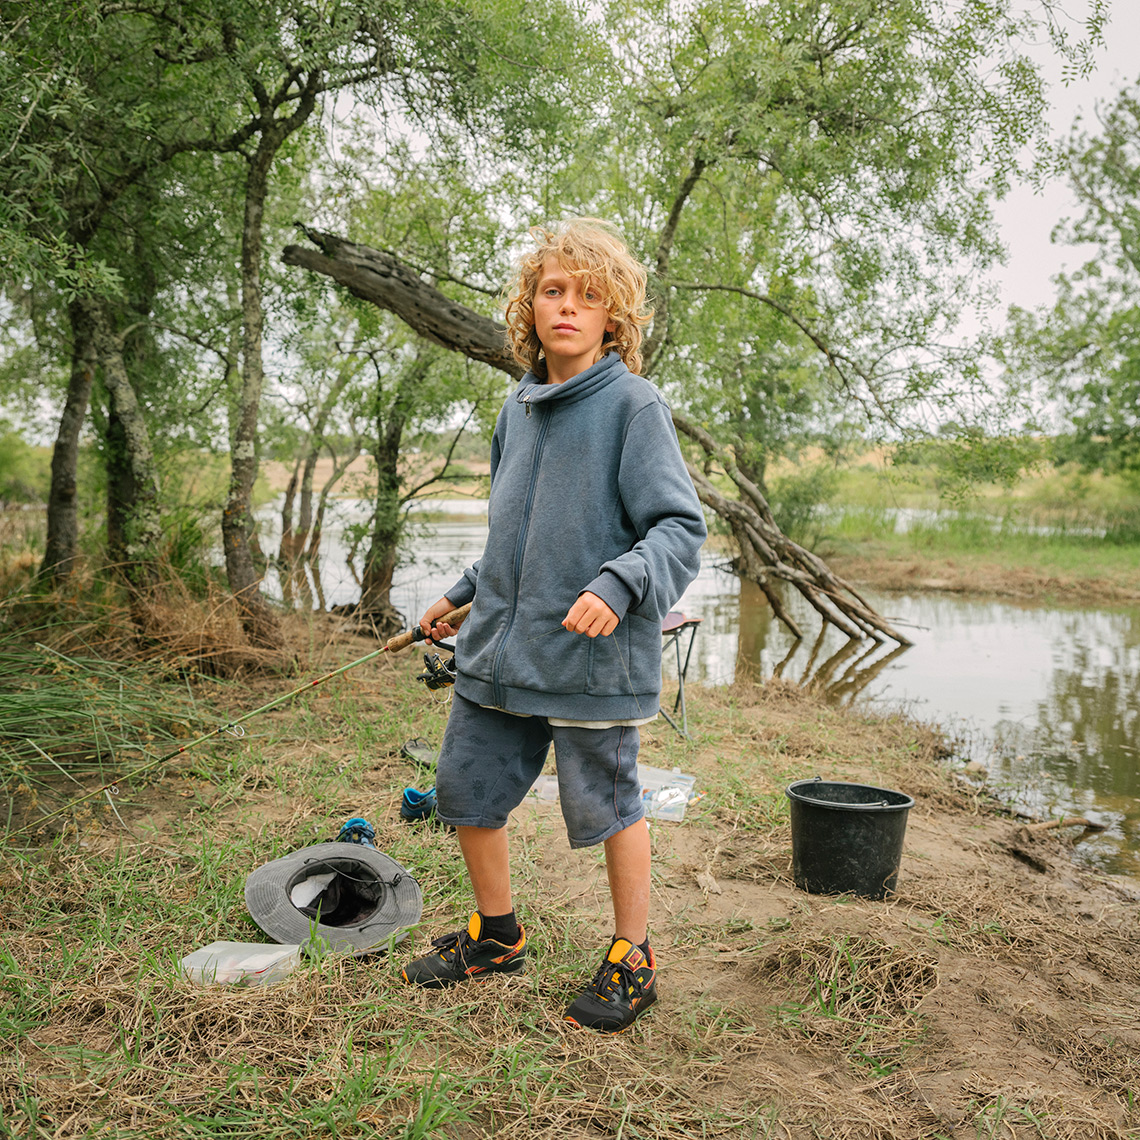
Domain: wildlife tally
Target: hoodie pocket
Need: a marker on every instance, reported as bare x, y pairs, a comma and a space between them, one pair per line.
644, 654
628, 662
559, 663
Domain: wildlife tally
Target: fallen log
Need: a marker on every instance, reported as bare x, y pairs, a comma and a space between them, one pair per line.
1068, 821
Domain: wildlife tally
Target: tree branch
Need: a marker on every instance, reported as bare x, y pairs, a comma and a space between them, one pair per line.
378, 277
840, 362
660, 334
766, 553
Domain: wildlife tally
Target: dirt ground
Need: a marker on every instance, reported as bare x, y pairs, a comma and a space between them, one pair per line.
998, 975
995, 994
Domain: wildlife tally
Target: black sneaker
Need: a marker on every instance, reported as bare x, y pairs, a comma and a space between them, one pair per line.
624, 987
464, 955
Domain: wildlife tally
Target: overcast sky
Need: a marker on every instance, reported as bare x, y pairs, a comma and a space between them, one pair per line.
1027, 218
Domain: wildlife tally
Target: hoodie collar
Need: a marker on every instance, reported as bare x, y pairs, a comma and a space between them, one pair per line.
531, 390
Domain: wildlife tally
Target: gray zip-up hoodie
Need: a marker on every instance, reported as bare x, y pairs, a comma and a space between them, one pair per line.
588, 492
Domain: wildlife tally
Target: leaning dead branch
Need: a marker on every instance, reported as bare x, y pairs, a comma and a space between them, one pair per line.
766, 555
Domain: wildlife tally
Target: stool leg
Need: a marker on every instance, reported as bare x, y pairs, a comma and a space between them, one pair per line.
682, 673
681, 682
684, 730
681, 691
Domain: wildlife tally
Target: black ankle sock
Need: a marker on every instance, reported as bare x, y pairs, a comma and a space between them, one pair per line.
502, 928
644, 947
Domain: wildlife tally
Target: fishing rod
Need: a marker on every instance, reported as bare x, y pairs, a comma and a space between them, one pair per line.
393, 645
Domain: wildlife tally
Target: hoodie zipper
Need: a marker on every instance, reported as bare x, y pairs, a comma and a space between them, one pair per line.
520, 547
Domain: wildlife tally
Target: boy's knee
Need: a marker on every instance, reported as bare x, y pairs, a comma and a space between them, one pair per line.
585, 832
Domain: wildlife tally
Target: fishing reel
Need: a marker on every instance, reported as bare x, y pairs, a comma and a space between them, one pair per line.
438, 673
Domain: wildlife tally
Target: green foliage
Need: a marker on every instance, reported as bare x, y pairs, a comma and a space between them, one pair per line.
189, 535
799, 501
132, 134
24, 470
1085, 351
1124, 530
821, 243
810, 183
965, 459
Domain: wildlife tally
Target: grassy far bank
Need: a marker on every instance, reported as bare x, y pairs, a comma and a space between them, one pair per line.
1054, 536
994, 996
971, 554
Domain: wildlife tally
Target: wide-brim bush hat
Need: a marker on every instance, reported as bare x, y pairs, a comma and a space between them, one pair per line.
341, 897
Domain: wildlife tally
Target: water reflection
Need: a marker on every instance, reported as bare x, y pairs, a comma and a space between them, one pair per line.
1047, 699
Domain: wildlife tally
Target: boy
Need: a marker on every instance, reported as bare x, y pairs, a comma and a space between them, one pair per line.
594, 532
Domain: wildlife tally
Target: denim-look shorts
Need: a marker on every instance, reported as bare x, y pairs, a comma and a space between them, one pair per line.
489, 760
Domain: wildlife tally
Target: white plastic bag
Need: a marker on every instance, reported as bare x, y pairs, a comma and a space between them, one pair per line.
240, 963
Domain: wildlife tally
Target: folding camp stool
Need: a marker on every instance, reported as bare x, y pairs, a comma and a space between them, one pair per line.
673, 630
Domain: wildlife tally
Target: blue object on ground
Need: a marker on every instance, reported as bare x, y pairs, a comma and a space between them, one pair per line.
416, 805
357, 830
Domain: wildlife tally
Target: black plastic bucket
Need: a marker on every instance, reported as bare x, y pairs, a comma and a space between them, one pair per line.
846, 838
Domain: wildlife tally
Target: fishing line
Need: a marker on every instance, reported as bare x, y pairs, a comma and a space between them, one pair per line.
629, 679
233, 728
539, 636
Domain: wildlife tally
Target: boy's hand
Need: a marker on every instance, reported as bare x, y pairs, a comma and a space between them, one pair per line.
443, 606
591, 616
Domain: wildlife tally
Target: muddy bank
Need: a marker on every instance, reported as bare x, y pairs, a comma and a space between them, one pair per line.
997, 987
979, 578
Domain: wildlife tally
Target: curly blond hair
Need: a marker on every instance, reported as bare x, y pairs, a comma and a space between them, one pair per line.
586, 248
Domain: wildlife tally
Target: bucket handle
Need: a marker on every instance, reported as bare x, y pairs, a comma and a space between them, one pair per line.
817, 779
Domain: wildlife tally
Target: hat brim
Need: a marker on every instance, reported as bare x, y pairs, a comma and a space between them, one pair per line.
398, 906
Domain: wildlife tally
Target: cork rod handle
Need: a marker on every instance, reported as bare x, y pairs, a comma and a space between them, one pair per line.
403, 640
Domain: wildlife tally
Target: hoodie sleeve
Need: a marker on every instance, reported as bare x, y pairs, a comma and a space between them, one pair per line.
659, 498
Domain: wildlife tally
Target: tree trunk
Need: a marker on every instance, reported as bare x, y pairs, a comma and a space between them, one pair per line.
315, 444
238, 534
378, 277
388, 507
765, 552
313, 555
339, 468
387, 526
305, 506
121, 490
62, 543
134, 515
286, 551
258, 619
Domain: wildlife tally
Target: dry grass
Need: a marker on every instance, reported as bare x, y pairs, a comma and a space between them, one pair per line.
986, 1000
170, 625
185, 632
855, 994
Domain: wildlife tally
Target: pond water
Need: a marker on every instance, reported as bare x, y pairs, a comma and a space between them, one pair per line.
1047, 699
